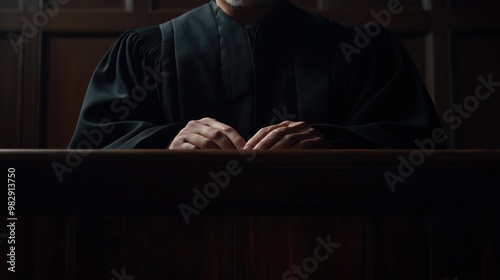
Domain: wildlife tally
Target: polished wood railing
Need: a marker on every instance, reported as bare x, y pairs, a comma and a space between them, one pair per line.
326, 214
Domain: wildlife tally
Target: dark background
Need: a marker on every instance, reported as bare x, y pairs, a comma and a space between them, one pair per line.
41, 88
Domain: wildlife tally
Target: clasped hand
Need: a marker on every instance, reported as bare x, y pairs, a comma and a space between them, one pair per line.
208, 133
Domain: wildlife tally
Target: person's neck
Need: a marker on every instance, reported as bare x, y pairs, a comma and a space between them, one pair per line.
248, 15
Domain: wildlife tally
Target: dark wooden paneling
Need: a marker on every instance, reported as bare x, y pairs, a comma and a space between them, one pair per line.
400, 247
377, 4
443, 222
439, 62
40, 235
475, 4
92, 4
268, 246
154, 247
10, 4
9, 94
70, 62
177, 4
477, 55
464, 245
415, 44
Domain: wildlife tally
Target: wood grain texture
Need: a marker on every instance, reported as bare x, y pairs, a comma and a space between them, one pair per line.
91, 4
476, 126
119, 210
72, 60
10, 96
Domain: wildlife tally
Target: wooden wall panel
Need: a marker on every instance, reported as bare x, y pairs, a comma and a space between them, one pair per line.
177, 4
10, 4
415, 45
9, 95
475, 4
40, 235
376, 4
268, 246
391, 233
93, 4
70, 62
464, 245
476, 55
153, 247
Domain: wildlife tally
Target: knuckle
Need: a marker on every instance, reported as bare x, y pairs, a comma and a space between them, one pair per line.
280, 131
215, 134
227, 129
264, 130
191, 123
205, 143
286, 139
181, 135
301, 125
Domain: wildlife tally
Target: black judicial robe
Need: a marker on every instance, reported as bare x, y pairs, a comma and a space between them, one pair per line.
290, 66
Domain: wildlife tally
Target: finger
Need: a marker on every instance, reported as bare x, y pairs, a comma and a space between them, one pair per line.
228, 132
312, 143
285, 137
187, 146
271, 138
218, 137
262, 133
200, 141
289, 141
298, 131
179, 143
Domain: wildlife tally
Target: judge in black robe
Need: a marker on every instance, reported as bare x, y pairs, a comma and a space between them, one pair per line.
290, 65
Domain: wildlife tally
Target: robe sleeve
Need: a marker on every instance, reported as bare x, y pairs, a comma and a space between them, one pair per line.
382, 102
122, 106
